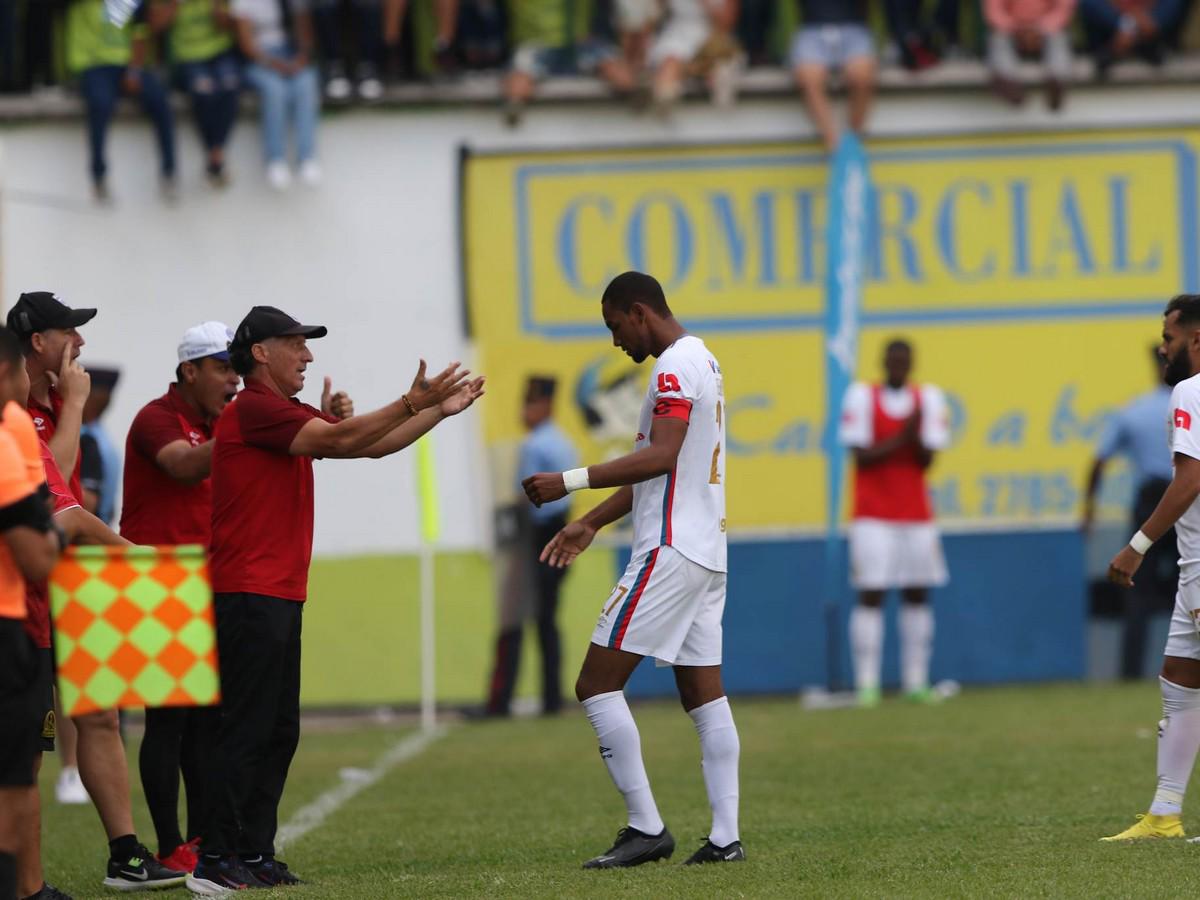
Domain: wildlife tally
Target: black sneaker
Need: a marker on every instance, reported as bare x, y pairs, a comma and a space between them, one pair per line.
711, 853
632, 848
272, 872
141, 872
215, 877
49, 892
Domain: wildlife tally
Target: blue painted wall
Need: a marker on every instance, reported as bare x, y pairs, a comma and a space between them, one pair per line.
1015, 610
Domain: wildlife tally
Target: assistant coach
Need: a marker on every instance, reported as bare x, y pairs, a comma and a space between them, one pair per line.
262, 483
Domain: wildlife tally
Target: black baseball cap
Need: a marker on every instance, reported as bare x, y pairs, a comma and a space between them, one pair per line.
36, 311
264, 322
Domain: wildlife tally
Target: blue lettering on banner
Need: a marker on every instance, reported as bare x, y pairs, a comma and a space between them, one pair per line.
744, 234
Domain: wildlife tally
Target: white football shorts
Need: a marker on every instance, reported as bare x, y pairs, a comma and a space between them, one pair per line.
681, 40
886, 555
1183, 637
665, 606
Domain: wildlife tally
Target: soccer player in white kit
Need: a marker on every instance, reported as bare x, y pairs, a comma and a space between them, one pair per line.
669, 602
1179, 729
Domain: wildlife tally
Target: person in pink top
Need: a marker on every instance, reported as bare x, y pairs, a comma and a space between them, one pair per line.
1029, 28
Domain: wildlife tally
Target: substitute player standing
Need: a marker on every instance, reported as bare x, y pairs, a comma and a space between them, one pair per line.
669, 602
168, 500
894, 429
262, 531
1179, 729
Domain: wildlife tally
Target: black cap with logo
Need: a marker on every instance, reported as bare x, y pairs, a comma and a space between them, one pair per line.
37, 311
264, 322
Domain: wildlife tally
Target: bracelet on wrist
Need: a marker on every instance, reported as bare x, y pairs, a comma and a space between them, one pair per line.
408, 404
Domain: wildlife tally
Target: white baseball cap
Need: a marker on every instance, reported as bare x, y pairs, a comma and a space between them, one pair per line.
207, 339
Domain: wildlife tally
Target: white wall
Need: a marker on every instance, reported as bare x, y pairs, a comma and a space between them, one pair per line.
372, 254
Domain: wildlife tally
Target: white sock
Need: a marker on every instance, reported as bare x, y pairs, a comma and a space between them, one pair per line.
866, 644
719, 750
1178, 741
916, 645
621, 748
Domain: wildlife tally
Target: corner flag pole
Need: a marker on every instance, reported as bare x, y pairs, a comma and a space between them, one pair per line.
430, 528
849, 193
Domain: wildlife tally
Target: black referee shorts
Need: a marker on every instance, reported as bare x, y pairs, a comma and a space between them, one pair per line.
20, 713
47, 729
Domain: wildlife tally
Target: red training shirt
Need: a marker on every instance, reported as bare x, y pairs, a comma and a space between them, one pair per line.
262, 524
45, 419
158, 509
894, 488
37, 595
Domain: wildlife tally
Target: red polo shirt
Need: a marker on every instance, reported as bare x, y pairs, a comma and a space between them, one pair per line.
37, 595
45, 419
157, 509
262, 525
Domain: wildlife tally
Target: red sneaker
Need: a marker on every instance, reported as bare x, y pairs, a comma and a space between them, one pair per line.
183, 858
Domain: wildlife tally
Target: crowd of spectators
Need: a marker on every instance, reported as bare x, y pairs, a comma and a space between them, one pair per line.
295, 53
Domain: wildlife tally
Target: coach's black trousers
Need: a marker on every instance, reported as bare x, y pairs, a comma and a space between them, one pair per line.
258, 646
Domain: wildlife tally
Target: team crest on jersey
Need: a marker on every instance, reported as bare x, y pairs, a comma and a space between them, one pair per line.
1183, 419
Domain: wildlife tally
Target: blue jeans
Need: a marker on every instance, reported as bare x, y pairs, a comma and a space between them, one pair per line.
281, 97
101, 87
213, 84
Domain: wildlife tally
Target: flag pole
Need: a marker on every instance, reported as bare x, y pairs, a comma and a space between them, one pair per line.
430, 526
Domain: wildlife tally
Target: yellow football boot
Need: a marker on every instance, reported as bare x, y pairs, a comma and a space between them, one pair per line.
1148, 826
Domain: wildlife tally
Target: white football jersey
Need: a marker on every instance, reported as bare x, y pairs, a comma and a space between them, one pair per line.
685, 509
1183, 427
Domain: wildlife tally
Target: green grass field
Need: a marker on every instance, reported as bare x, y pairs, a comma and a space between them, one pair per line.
999, 793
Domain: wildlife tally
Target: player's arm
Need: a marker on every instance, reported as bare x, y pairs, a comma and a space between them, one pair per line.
656, 458
81, 527
1181, 493
577, 536
409, 432
351, 437
29, 536
185, 463
880, 450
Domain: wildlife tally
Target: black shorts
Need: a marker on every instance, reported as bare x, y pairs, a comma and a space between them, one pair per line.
20, 718
47, 728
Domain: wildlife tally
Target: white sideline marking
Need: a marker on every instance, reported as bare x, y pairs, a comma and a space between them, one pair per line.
354, 782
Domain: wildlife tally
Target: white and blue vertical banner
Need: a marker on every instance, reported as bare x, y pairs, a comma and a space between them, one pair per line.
849, 208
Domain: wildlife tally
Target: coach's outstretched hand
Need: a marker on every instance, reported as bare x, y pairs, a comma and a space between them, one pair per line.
1123, 566
544, 487
466, 395
427, 392
338, 405
567, 544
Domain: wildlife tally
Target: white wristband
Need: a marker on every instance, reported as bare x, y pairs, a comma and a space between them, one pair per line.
575, 480
1140, 543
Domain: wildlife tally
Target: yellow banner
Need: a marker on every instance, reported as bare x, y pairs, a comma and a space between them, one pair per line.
1029, 272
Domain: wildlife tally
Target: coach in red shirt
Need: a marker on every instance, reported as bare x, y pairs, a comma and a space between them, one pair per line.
58, 385
262, 479
168, 501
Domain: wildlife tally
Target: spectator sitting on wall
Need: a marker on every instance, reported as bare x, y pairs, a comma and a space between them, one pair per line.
635, 22
109, 61
446, 15
1120, 29
482, 36
834, 36
276, 37
365, 49
1027, 28
553, 39
200, 42
696, 39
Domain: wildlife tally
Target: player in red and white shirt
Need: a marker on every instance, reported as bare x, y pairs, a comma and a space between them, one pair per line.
893, 429
1179, 729
670, 600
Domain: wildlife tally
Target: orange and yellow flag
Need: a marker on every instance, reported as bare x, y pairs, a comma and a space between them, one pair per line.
134, 627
